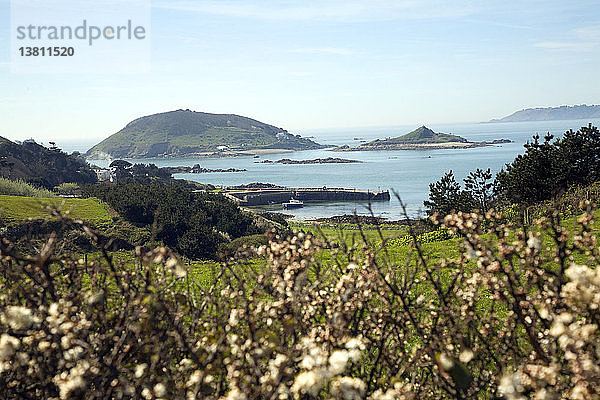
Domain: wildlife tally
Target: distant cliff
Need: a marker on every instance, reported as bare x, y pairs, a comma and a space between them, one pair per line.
553, 114
184, 133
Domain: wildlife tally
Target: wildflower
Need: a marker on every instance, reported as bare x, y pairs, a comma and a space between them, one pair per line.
446, 362
354, 346
194, 378
471, 254
160, 390
18, 318
72, 382
53, 309
348, 388
511, 387
275, 364
534, 243
338, 361
43, 345
233, 317
96, 298
235, 394
146, 393
466, 355
8, 346
140, 369
308, 382
180, 272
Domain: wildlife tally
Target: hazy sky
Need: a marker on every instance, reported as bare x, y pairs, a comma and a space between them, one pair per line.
325, 63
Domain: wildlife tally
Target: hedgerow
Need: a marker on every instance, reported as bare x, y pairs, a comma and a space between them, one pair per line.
515, 316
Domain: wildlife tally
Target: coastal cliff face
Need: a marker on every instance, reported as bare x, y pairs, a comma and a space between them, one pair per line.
184, 133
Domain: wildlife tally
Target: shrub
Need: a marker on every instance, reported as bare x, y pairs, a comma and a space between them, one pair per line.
242, 243
21, 188
67, 188
437, 235
191, 223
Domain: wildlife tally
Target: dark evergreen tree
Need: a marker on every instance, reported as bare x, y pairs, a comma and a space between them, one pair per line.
193, 224
446, 196
533, 176
479, 185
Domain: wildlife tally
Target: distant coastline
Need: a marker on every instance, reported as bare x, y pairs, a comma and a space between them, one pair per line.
562, 113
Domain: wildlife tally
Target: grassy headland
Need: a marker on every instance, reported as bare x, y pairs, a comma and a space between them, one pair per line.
188, 133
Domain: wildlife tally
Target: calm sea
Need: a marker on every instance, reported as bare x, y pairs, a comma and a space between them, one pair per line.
406, 172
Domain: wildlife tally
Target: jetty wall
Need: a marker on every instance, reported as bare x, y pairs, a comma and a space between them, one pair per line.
277, 196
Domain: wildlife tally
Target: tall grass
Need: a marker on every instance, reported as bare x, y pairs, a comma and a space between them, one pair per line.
22, 188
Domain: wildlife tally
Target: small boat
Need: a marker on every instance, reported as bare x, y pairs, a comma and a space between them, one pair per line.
293, 203
256, 156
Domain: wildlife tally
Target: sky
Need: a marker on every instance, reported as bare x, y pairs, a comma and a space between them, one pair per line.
318, 64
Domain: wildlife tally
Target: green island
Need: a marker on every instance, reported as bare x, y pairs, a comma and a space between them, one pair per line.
420, 139
186, 133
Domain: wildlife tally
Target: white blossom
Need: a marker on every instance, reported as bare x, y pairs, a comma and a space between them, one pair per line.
18, 318
8, 346
140, 369
160, 390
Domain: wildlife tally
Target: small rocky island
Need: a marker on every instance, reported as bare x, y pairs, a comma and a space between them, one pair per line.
421, 138
197, 169
328, 160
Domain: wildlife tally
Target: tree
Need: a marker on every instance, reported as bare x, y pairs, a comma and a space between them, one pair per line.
551, 167
532, 177
578, 157
120, 164
479, 185
446, 195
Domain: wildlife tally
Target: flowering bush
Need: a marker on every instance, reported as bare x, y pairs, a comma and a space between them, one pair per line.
515, 316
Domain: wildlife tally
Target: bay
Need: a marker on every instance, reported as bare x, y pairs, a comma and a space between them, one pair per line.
406, 172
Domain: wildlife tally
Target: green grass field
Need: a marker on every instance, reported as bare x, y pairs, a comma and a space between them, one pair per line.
398, 253
14, 208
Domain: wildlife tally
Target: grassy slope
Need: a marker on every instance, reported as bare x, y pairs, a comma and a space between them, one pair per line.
435, 251
20, 208
184, 132
92, 210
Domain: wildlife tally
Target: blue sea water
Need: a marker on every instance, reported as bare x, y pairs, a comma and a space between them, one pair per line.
408, 173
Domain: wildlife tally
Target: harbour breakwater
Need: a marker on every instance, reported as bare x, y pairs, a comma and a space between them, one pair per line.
262, 196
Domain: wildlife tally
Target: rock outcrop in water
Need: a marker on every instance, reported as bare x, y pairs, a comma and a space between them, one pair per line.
197, 169
328, 160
